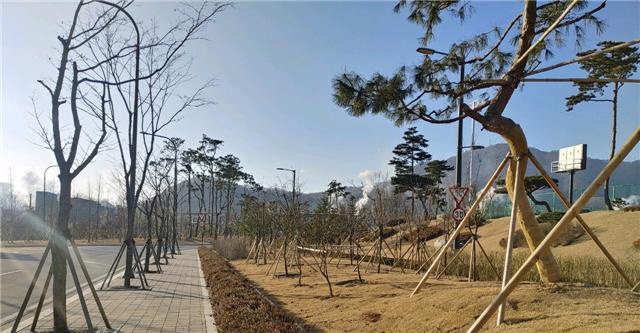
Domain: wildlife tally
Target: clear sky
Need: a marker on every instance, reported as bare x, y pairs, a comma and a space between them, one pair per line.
273, 63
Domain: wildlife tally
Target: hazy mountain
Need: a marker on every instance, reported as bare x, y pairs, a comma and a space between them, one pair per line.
486, 160
626, 178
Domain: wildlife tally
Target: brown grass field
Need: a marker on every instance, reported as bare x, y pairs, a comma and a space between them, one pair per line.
382, 303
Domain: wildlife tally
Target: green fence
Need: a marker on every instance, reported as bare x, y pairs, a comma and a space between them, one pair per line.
499, 205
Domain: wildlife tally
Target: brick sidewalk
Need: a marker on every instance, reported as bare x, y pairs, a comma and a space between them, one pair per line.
177, 302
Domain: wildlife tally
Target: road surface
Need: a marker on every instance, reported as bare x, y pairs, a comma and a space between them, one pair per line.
18, 266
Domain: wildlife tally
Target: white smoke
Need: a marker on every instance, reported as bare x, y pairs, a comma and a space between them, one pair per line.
632, 200
367, 178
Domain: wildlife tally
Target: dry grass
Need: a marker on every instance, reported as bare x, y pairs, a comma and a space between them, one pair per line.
231, 248
586, 270
381, 304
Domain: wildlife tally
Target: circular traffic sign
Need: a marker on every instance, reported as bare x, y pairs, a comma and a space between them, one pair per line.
458, 214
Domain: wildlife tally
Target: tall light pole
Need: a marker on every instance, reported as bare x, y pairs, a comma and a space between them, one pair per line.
44, 193
461, 63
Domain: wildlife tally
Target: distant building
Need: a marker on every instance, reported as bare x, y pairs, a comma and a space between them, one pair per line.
5, 190
48, 201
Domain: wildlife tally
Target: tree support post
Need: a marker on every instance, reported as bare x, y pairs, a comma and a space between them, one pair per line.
462, 223
506, 272
571, 213
76, 282
581, 221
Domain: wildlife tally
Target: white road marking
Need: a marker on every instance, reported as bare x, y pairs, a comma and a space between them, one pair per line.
95, 263
1, 274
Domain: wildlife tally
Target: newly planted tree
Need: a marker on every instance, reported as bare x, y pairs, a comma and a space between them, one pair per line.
531, 185
615, 66
407, 156
432, 90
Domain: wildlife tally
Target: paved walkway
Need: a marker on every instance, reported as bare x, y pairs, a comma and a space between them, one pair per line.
177, 302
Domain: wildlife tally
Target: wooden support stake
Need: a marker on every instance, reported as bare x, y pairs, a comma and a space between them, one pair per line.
31, 286
464, 221
508, 258
453, 259
573, 211
581, 221
41, 300
76, 281
495, 270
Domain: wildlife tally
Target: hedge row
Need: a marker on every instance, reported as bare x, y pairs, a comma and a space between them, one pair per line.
237, 307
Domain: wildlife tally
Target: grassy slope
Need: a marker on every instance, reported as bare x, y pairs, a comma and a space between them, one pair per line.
617, 230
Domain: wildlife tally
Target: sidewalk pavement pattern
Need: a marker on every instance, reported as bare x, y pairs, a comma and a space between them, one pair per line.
177, 302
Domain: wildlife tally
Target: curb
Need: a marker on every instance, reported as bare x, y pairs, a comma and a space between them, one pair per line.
210, 322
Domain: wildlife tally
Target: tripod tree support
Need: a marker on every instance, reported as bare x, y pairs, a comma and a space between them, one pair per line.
569, 215
581, 221
464, 221
76, 282
508, 258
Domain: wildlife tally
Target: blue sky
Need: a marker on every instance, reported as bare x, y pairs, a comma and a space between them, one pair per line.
273, 63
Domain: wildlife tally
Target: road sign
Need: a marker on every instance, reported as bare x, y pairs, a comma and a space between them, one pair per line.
458, 214
458, 193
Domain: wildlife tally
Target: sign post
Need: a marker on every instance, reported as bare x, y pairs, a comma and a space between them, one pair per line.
458, 193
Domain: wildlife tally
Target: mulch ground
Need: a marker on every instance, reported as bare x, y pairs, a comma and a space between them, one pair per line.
237, 305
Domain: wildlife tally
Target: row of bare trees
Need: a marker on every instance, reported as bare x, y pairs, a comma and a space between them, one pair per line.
121, 76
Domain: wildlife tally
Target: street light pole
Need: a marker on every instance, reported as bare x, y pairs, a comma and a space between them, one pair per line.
460, 124
461, 63
293, 192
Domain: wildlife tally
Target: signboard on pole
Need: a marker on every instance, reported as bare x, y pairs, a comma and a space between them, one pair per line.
458, 193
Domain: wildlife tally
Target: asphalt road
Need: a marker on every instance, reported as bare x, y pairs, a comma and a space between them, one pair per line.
18, 266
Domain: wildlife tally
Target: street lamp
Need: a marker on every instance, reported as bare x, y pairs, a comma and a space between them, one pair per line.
44, 193
293, 195
461, 62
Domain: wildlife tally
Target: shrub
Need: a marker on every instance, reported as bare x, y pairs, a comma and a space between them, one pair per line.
237, 305
518, 240
424, 232
373, 234
567, 236
636, 244
550, 217
396, 222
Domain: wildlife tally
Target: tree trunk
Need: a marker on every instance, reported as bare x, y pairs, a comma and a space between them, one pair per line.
614, 129
189, 204
174, 232
514, 136
59, 256
131, 214
539, 202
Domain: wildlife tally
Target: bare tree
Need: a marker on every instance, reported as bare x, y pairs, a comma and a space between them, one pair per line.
84, 101
156, 79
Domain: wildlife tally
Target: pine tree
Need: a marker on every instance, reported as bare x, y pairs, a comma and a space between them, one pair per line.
620, 64
407, 156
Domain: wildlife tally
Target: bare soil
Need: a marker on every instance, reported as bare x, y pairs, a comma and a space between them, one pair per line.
382, 303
